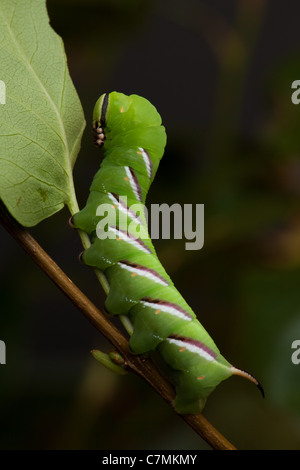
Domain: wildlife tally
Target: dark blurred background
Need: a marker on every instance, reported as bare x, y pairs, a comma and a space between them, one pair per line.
220, 74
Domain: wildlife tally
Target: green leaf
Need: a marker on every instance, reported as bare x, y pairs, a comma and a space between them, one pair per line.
42, 121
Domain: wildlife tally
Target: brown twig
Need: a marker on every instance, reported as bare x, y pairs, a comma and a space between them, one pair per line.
141, 366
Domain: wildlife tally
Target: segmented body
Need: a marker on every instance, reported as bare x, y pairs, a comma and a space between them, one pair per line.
130, 131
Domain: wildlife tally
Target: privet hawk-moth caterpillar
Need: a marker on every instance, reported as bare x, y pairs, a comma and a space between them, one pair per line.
129, 129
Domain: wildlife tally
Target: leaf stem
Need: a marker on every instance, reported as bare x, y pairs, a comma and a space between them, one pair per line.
144, 367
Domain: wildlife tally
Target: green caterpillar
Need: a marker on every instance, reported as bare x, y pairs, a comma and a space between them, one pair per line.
129, 128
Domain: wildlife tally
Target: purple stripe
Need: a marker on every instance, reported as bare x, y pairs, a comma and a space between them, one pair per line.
149, 162
138, 188
137, 240
168, 304
131, 213
143, 268
196, 343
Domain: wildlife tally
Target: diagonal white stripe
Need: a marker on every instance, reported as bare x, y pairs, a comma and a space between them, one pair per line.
133, 184
168, 309
192, 348
147, 161
134, 242
144, 272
